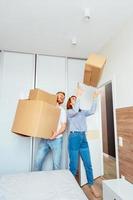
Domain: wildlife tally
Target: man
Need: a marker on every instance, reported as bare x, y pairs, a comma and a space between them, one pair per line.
54, 143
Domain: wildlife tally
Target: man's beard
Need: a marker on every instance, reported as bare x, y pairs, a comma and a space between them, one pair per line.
59, 102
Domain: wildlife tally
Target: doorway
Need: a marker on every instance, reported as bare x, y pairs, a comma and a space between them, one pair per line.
108, 132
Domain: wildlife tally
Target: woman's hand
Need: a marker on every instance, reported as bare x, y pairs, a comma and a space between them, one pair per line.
79, 91
95, 94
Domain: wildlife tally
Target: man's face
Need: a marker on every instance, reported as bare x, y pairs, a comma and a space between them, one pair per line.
60, 98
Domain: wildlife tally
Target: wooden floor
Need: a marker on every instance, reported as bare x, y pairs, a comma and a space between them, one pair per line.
109, 167
109, 173
98, 185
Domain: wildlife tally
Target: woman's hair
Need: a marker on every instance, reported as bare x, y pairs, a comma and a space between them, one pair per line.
69, 106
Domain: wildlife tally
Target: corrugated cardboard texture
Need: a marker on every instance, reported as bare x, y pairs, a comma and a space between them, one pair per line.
35, 118
93, 69
37, 94
96, 60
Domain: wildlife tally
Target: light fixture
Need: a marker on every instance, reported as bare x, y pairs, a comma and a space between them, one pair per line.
74, 41
87, 13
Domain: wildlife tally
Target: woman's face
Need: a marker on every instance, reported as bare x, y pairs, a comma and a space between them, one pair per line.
73, 100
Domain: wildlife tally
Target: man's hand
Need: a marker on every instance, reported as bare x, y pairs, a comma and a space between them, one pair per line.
60, 131
53, 136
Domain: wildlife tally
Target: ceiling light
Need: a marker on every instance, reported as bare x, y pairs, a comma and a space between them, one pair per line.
87, 13
74, 41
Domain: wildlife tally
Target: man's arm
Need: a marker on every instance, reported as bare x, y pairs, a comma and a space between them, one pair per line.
62, 125
56, 133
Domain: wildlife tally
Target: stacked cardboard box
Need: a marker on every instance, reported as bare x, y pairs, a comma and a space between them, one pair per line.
37, 94
38, 116
93, 69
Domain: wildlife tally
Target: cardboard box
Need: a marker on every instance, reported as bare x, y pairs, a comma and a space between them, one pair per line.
35, 118
37, 94
93, 69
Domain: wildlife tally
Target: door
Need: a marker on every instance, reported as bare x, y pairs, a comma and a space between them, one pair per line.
51, 77
75, 75
17, 73
94, 135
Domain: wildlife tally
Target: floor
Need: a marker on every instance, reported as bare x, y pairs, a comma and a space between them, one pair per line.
109, 173
109, 167
98, 185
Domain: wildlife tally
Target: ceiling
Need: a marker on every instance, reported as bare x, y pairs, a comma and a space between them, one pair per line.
48, 26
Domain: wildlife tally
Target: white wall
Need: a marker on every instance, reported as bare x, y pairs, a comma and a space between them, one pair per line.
1, 69
119, 53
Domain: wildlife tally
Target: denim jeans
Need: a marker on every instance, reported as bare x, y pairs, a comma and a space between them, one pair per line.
44, 147
78, 145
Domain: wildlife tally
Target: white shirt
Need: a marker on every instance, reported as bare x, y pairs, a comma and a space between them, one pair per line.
62, 119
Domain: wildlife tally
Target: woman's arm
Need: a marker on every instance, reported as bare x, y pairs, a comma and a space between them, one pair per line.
92, 110
72, 112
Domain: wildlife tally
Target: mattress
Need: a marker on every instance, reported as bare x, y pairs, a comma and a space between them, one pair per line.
43, 185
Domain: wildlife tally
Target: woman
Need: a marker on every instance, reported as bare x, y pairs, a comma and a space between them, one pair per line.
77, 142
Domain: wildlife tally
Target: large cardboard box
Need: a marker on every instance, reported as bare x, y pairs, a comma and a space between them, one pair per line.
93, 69
35, 118
37, 94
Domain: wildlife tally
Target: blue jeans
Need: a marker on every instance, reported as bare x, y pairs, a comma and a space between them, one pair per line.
44, 147
78, 145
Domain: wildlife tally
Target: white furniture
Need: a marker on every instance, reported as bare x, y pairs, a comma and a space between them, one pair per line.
51, 77
16, 79
44, 185
18, 74
117, 189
